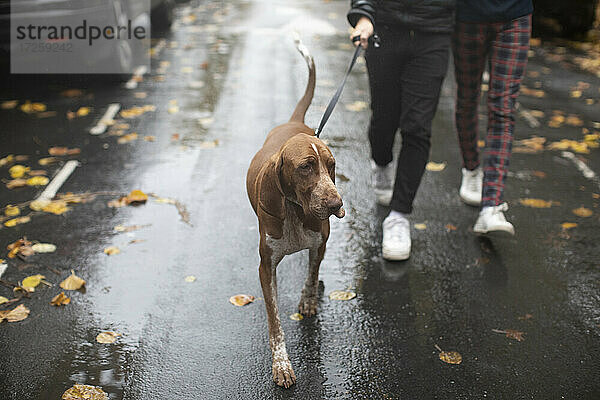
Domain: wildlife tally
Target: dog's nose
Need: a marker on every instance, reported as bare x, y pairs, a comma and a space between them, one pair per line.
334, 204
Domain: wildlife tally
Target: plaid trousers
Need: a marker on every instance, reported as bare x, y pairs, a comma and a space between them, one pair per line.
505, 45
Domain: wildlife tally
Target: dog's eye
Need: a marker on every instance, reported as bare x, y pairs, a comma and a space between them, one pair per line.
304, 167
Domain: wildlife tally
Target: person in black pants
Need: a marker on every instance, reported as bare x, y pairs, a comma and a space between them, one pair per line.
405, 76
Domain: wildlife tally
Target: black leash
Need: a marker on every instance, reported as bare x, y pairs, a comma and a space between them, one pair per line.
338, 93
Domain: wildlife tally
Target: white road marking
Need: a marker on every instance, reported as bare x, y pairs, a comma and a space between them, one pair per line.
139, 72
527, 116
106, 118
2, 269
581, 166
58, 180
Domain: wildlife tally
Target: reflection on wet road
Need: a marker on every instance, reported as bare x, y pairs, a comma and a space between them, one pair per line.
221, 79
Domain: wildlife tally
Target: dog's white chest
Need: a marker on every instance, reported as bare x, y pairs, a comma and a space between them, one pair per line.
295, 237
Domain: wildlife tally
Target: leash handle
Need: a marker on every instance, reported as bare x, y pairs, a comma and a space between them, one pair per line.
338, 93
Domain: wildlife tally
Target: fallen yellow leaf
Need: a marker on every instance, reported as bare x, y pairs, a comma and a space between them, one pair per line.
83, 111
450, 357
209, 144
29, 107
32, 281
87, 392
38, 181
420, 226
3, 300
18, 171
73, 282
55, 207
150, 138
576, 94
11, 211
17, 221
583, 212
296, 317
241, 299
574, 120
435, 167
190, 278
112, 250
537, 203
341, 295
60, 299
450, 227
107, 337
19, 313
137, 196
568, 225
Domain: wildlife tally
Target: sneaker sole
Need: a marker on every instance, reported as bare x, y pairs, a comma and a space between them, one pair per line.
395, 255
470, 202
495, 231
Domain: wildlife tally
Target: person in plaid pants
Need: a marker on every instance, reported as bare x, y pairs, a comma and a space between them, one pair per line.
499, 32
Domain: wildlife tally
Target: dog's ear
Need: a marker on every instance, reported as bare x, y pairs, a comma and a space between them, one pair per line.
271, 198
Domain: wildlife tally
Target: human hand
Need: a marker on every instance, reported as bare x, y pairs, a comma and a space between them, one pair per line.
364, 30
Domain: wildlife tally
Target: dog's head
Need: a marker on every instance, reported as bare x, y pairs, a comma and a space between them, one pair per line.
307, 176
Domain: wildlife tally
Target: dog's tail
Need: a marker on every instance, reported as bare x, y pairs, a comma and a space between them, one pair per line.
305, 101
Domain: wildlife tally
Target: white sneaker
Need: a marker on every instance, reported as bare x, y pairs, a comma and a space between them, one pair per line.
471, 186
492, 219
383, 183
396, 238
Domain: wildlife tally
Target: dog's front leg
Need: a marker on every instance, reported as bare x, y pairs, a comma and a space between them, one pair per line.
309, 298
283, 374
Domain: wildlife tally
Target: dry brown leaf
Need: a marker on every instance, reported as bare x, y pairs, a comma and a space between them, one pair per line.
583, 212
16, 183
72, 93
63, 151
107, 337
175, 137
341, 295
72, 282
538, 203
127, 138
574, 120
60, 299
150, 138
241, 299
511, 333
47, 160
526, 317
29, 107
21, 246
112, 250
38, 172
9, 104
131, 228
87, 392
532, 92
450, 227
19, 313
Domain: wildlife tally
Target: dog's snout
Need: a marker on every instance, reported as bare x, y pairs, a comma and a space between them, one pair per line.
334, 204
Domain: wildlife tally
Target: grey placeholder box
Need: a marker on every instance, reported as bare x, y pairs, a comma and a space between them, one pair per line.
79, 36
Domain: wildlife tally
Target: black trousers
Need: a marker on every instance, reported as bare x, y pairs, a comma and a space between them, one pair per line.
405, 75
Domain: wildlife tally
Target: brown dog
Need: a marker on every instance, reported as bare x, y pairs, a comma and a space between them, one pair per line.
291, 185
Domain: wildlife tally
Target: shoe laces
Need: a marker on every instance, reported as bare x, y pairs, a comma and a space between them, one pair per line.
396, 227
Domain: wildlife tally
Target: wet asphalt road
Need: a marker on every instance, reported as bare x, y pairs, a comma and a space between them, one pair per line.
185, 340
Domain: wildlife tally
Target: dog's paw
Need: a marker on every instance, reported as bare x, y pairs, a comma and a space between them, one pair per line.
283, 374
308, 306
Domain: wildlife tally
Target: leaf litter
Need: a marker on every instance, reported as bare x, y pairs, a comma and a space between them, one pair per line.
79, 392
241, 299
19, 313
72, 282
449, 357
